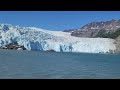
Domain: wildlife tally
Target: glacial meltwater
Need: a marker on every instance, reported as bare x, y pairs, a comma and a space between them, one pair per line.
51, 65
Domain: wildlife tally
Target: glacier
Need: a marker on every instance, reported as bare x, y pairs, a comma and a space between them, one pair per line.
33, 38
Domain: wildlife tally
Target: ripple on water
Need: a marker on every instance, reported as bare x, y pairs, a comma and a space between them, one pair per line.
52, 65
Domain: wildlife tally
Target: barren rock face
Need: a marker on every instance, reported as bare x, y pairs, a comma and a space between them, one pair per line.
91, 29
88, 34
13, 46
117, 44
107, 25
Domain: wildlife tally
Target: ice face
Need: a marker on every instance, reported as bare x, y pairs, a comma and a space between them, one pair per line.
42, 40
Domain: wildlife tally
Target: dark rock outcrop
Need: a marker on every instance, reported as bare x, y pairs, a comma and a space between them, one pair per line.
70, 30
50, 50
13, 46
117, 44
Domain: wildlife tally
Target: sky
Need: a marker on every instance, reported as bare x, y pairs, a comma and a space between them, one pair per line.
56, 20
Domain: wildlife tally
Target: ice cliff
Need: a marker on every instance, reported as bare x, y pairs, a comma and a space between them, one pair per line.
33, 38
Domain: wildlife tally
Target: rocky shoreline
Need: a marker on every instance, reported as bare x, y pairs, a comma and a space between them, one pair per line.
13, 46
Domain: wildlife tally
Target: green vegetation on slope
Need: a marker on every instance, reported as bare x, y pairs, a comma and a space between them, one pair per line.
104, 34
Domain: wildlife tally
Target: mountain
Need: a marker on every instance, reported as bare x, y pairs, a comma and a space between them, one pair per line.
93, 28
32, 38
106, 25
70, 30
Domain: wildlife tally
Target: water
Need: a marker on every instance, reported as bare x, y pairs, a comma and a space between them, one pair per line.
52, 65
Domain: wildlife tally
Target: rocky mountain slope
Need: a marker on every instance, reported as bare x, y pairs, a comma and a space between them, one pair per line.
94, 28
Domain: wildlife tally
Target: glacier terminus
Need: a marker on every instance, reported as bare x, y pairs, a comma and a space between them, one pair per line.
33, 38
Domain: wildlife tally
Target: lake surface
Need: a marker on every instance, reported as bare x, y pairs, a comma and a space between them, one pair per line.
52, 65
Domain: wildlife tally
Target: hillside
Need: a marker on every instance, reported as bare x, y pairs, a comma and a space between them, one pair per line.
103, 29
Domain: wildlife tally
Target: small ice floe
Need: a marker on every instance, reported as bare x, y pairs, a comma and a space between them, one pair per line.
19, 49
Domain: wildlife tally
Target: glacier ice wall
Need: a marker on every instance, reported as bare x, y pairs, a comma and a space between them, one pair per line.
38, 39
